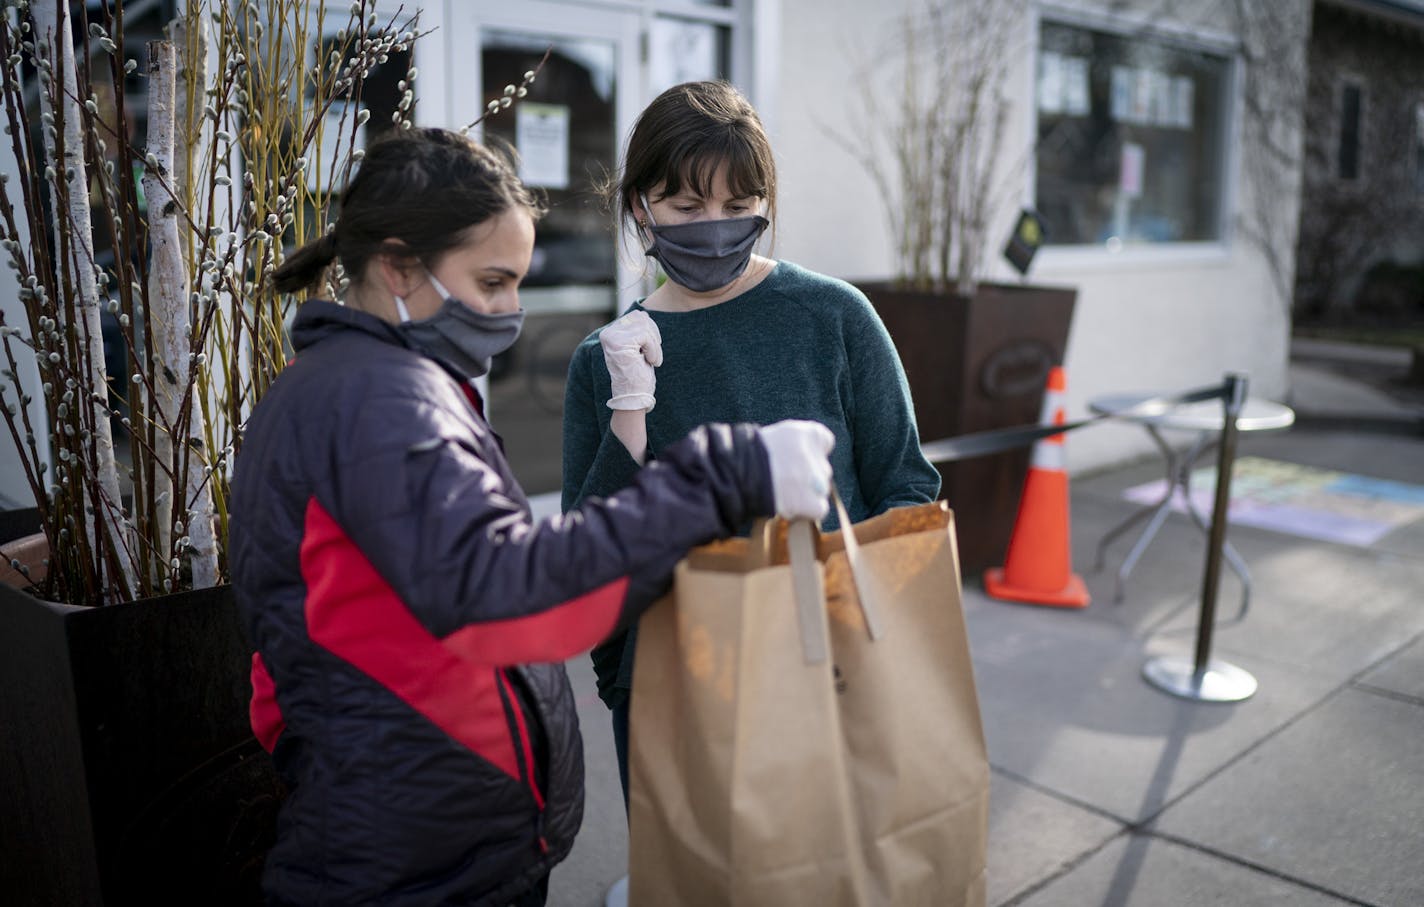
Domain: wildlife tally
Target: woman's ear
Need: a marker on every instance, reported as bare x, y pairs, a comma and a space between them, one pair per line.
398, 274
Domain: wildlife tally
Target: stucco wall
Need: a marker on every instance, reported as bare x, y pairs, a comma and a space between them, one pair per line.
830, 217
1154, 318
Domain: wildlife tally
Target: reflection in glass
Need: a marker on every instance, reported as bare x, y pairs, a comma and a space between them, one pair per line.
684, 51
1131, 136
564, 130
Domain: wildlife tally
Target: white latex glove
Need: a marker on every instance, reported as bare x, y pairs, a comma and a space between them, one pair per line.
632, 347
800, 452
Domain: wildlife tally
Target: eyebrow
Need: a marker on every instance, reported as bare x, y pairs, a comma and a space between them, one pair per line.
692, 196
507, 272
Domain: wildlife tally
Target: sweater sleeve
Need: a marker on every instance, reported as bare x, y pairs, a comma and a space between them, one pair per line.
595, 462
889, 465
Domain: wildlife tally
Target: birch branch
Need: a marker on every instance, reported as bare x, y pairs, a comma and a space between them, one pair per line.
70, 183
189, 33
180, 421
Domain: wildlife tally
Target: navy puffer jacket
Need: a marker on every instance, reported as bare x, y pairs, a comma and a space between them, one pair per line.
410, 620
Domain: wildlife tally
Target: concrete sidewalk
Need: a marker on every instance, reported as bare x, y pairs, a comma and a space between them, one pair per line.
1108, 791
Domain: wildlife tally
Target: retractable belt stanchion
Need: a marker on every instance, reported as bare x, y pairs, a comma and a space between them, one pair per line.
1199, 678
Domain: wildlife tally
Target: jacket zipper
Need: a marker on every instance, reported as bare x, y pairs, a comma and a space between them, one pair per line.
526, 751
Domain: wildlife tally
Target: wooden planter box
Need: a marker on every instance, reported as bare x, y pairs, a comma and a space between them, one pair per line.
128, 771
975, 364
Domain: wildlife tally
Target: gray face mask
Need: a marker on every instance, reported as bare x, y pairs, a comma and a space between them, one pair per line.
459, 335
704, 255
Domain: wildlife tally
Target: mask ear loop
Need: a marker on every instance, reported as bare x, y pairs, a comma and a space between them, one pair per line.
439, 287
647, 212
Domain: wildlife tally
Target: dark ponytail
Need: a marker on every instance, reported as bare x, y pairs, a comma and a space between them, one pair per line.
304, 267
423, 187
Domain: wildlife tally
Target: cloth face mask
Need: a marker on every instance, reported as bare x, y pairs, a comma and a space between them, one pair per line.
704, 255
459, 335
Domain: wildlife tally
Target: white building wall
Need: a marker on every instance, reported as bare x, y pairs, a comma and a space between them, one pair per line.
15, 491
1165, 318
829, 216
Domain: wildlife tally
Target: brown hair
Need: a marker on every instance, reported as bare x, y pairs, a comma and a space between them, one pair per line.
685, 134
423, 187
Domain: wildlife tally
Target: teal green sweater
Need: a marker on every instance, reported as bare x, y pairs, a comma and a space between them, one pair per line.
798, 345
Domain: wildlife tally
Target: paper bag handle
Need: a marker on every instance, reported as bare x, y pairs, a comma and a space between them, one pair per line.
801, 554
869, 606
810, 604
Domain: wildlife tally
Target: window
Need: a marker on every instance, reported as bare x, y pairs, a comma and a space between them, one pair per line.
1347, 156
1131, 138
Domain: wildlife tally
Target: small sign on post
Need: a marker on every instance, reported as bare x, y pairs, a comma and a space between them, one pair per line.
1024, 242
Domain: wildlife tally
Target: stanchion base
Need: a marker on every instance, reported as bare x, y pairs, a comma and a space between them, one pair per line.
1220, 682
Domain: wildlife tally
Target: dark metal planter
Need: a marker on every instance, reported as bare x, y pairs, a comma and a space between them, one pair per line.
128, 771
975, 364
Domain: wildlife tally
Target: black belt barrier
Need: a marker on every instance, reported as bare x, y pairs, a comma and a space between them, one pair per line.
1201, 679
982, 443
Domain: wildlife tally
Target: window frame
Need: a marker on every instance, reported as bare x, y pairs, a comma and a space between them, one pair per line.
1133, 25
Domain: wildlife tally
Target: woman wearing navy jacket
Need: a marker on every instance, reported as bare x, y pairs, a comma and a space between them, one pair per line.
409, 617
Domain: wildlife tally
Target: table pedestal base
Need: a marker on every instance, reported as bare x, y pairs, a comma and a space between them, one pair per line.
1220, 682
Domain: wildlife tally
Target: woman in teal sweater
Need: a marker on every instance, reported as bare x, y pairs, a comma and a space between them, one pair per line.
730, 336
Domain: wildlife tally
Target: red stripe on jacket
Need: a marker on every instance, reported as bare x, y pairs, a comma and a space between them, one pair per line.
525, 746
263, 712
557, 634
354, 614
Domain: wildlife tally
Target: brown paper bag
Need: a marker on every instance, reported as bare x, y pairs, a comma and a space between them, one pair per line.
919, 769
738, 780
765, 772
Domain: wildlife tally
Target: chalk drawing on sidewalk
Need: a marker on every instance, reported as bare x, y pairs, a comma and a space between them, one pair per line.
1300, 500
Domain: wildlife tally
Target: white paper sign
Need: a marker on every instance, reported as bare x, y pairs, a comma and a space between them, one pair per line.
541, 133
1050, 83
1122, 82
1076, 97
1161, 99
1141, 96
1183, 92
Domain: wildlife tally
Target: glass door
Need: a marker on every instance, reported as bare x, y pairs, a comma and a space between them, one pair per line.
568, 133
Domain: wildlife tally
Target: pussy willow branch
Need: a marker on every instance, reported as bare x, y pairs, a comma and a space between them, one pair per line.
232, 226
511, 93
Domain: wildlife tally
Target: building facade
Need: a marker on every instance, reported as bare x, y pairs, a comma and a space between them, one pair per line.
1127, 124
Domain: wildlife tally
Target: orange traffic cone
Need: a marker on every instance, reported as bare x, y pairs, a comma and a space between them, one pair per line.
1038, 568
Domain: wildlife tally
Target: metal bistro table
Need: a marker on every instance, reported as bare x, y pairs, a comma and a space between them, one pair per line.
1206, 419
